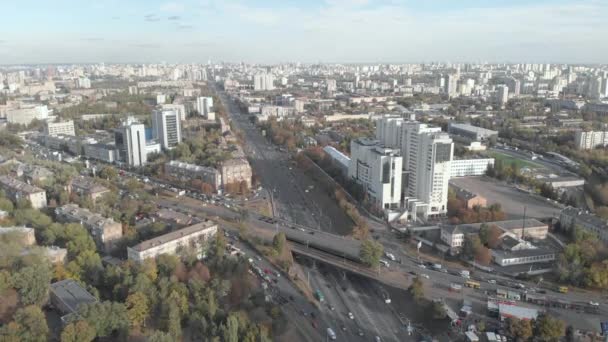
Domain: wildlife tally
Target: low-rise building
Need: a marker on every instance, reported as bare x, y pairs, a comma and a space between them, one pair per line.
235, 171
86, 186
172, 217
187, 171
17, 190
25, 235
67, 296
34, 173
60, 128
193, 236
105, 231
522, 256
470, 199
470, 167
340, 160
571, 218
471, 132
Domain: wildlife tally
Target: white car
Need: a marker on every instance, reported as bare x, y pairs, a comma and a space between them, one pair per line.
492, 281
424, 275
350, 315
422, 266
594, 303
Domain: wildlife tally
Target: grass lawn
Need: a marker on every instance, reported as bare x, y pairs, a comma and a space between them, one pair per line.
509, 160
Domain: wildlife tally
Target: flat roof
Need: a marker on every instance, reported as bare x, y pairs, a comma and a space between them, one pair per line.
71, 294
145, 245
337, 155
471, 128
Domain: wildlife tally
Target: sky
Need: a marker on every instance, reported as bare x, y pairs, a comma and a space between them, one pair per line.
328, 31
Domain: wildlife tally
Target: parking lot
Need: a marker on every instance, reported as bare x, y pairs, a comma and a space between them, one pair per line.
511, 199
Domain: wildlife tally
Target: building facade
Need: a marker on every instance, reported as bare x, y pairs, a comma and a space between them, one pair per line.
470, 167
17, 190
590, 140
378, 170
187, 171
193, 236
60, 128
130, 141
571, 218
236, 170
204, 106
167, 128
105, 231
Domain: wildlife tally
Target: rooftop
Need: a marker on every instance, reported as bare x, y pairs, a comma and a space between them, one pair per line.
585, 217
71, 294
145, 245
337, 155
517, 311
190, 167
469, 127
18, 185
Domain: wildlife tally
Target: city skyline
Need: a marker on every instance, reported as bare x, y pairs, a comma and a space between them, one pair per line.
329, 31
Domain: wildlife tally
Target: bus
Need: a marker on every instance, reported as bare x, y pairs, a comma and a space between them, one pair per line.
319, 296
472, 284
562, 289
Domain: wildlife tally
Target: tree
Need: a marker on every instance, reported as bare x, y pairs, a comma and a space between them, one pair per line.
483, 255
31, 324
109, 173
32, 283
160, 336
231, 333
597, 275
471, 246
278, 242
105, 317
438, 310
416, 290
519, 329
6, 205
79, 331
370, 252
137, 309
548, 328
219, 245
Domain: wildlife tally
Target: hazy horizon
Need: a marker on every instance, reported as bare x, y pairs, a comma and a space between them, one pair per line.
326, 31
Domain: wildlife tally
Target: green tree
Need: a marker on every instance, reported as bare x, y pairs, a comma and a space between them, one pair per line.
106, 317
520, 329
437, 310
218, 248
108, 172
232, 329
137, 309
79, 331
549, 328
6, 205
416, 289
279, 242
173, 321
32, 324
370, 252
471, 246
32, 282
160, 336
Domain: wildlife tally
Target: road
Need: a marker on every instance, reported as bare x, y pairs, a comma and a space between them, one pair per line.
295, 196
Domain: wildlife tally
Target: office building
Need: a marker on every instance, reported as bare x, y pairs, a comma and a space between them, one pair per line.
17, 190
194, 236
470, 167
105, 231
378, 170
26, 114
263, 81
166, 127
235, 171
67, 296
451, 85
103, 152
340, 160
204, 106
60, 128
130, 140
590, 140
179, 108
331, 85
185, 171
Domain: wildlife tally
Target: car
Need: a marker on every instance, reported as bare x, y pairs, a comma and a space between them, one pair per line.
422, 266
277, 274
492, 281
424, 275
332, 308
350, 315
377, 339
592, 303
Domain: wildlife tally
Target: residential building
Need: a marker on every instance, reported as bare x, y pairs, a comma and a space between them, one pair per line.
166, 125
473, 133
25, 235
130, 141
60, 128
105, 231
35, 173
263, 81
236, 170
279, 112
17, 190
502, 94
378, 170
590, 140
87, 187
187, 171
172, 217
204, 106
571, 218
193, 236
67, 296
470, 167
453, 235
26, 114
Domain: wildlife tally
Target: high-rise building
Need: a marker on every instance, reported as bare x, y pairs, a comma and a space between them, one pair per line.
378, 169
204, 105
427, 154
451, 85
83, 82
167, 128
595, 88
130, 140
263, 81
502, 94
331, 85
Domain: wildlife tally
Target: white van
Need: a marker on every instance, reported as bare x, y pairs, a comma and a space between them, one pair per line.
331, 334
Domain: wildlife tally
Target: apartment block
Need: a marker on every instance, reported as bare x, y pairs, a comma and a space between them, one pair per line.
17, 190
590, 140
86, 186
193, 236
105, 231
571, 218
60, 128
235, 171
187, 171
